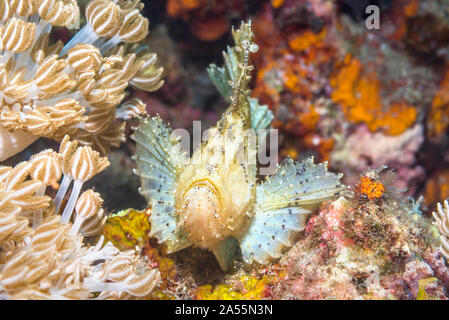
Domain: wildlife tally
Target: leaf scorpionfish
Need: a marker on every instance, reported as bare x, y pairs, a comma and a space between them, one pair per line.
212, 199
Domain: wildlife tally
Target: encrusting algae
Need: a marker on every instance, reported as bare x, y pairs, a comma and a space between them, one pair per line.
291, 77
213, 200
247, 287
359, 95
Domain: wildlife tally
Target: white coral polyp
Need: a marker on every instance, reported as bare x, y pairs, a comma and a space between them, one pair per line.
49, 90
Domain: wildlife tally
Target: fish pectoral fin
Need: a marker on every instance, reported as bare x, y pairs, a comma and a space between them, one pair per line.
225, 252
283, 204
299, 184
158, 159
158, 152
181, 242
270, 232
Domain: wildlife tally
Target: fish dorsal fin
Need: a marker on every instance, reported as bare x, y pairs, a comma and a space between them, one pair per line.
261, 115
283, 203
233, 78
159, 160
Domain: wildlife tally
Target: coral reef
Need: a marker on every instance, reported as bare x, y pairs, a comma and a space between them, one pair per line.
369, 247
292, 72
359, 95
328, 79
77, 78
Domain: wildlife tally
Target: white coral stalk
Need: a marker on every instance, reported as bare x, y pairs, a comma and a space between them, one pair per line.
441, 217
87, 206
85, 164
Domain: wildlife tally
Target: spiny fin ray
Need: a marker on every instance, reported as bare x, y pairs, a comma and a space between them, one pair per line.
231, 80
261, 116
158, 160
283, 203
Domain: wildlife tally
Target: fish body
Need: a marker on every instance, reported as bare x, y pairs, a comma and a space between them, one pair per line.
216, 191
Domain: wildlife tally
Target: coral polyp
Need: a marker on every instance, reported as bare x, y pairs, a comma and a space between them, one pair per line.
50, 260
49, 90
213, 200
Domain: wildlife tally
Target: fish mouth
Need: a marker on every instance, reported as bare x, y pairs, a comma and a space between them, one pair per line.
206, 182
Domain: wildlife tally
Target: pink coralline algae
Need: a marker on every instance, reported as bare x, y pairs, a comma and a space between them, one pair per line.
436, 261
322, 8
333, 222
364, 249
418, 270
365, 150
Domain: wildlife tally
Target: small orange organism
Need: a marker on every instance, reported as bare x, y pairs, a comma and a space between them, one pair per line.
277, 3
370, 188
